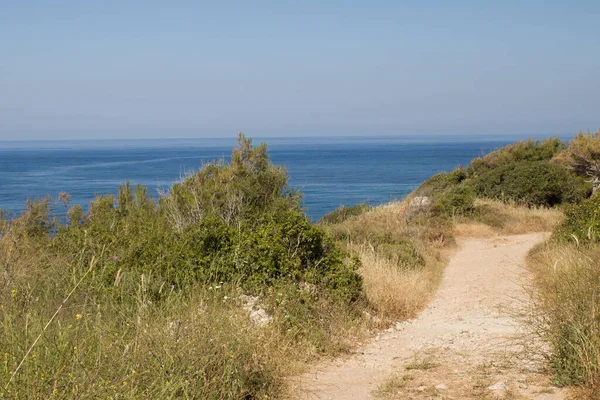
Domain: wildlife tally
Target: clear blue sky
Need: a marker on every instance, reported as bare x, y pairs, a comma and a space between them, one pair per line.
124, 69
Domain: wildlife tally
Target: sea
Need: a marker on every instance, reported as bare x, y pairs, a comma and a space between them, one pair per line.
328, 171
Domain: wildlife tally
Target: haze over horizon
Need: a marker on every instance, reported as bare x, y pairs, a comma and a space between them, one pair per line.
107, 70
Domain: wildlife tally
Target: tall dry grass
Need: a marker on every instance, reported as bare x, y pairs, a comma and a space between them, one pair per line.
384, 238
566, 310
497, 218
402, 257
396, 293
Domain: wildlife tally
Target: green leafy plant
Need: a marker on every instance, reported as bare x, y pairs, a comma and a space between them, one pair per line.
581, 223
536, 183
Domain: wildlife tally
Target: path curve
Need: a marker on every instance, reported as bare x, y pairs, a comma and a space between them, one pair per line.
462, 343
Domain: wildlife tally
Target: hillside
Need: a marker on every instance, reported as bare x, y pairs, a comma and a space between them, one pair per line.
223, 288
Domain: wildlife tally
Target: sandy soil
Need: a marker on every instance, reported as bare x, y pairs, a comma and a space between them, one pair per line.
467, 344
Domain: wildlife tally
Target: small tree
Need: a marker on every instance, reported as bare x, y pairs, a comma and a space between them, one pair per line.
583, 156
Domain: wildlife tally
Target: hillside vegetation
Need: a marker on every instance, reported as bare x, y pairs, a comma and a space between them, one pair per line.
524, 173
222, 287
138, 298
525, 187
486, 196
566, 293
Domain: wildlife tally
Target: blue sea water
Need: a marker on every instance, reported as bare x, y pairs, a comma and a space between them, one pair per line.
329, 171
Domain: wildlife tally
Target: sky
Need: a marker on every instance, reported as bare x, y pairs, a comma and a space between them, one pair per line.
156, 69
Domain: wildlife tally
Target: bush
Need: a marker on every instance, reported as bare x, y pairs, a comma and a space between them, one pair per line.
529, 150
531, 183
155, 314
582, 156
581, 222
343, 213
519, 173
439, 183
456, 201
235, 222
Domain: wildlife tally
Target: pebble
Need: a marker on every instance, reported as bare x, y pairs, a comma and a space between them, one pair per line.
498, 386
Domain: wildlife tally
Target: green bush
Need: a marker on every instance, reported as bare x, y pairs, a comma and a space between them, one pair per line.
235, 222
581, 222
529, 150
519, 173
456, 201
343, 213
531, 183
156, 312
441, 182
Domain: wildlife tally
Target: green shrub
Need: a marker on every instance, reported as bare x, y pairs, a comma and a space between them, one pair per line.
529, 150
582, 156
581, 222
441, 182
156, 313
343, 213
456, 201
519, 173
531, 183
235, 222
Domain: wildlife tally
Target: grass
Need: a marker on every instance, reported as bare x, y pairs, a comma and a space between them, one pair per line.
394, 386
565, 310
402, 259
421, 364
195, 344
139, 338
498, 218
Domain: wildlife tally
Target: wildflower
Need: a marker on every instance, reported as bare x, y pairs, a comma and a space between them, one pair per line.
78, 316
13, 293
114, 258
124, 383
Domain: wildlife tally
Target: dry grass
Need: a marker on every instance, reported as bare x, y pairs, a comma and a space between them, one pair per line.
396, 293
385, 239
497, 218
565, 310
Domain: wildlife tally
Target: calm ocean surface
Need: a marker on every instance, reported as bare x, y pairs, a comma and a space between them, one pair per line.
328, 171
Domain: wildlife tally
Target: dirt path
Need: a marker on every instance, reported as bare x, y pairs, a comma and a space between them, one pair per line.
465, 344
